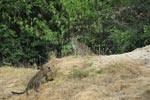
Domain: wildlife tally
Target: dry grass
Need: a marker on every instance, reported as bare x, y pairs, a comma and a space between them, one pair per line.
92, 78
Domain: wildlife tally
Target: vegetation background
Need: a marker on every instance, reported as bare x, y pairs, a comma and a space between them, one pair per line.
32, 31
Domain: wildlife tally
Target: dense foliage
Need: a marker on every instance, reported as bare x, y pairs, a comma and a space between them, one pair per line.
31, 31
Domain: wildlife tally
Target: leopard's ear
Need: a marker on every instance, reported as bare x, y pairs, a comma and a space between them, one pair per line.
40, 67
75, 37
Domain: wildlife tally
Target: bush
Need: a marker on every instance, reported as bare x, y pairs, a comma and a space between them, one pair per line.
76, 73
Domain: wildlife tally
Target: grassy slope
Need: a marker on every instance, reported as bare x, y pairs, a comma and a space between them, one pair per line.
113, 77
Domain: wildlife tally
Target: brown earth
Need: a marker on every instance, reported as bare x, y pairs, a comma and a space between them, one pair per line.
114, 77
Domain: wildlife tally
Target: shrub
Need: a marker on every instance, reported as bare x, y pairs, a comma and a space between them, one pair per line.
76, 73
